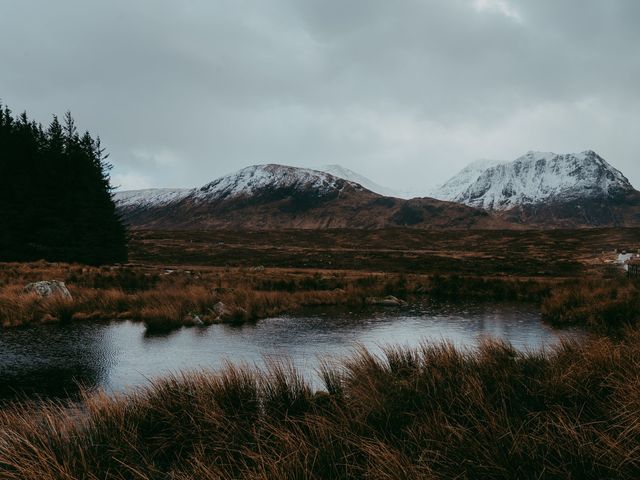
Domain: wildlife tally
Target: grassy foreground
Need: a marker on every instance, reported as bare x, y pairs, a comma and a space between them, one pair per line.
433, 412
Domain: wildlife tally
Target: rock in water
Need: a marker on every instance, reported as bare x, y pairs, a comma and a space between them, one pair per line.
49, 288
388, 301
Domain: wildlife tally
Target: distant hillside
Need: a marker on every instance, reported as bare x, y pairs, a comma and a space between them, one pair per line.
276, 196
622, 210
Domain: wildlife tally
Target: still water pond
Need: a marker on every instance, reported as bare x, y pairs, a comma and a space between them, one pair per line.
50, 361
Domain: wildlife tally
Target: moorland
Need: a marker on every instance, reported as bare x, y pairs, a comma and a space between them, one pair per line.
181, 278
429, 412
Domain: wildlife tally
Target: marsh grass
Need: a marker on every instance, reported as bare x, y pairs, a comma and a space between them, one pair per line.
168, 299
163, 299
429, 412
603, 306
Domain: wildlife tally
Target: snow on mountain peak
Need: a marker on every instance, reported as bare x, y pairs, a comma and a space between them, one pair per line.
150, 196
251, 180
245, 182
535, 177
450, 190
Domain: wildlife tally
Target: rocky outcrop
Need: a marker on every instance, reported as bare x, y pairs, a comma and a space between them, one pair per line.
49, 288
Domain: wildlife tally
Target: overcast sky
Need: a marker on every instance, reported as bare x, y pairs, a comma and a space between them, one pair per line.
405, 92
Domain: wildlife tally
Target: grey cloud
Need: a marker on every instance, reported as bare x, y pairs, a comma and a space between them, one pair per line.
405, 92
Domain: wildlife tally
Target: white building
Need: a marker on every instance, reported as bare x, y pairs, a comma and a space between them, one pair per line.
623, 258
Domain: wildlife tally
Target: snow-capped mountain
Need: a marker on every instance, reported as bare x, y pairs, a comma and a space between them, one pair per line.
541, 190
278, 196
536, 178
255, 179
244, 183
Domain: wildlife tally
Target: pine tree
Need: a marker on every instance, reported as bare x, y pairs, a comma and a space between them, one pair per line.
55, 198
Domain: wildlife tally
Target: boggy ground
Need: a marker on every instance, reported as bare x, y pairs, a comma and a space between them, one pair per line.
170, 298
183, 278
528, 253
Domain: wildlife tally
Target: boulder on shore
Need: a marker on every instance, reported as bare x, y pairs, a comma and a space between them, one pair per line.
192, 321
388, 301
49, 288
221, 311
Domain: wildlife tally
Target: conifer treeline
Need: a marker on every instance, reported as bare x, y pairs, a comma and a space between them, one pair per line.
55, 197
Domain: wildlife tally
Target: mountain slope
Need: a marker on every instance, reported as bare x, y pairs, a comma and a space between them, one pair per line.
257, 179
460, 182
346, 174
277, 196
621, 210
150, 196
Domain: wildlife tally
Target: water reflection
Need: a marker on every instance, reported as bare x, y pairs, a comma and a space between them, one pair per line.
54, 360
51, 360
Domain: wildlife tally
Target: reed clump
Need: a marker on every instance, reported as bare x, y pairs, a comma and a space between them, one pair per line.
603, 306
429, 412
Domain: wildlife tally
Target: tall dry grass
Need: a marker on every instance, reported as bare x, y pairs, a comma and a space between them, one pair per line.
603, 306
433, 412
163, 299
166, 299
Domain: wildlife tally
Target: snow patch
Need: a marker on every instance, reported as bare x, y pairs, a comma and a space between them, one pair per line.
150, 196
450, 190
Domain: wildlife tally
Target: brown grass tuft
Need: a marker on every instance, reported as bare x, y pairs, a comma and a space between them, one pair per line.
606, 307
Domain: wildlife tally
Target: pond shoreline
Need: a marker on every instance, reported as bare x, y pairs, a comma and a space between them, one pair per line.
116, 355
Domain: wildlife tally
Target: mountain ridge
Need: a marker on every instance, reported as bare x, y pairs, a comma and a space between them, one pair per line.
279, 196
537, 190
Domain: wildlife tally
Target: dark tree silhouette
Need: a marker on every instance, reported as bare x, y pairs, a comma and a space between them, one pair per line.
55, 199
